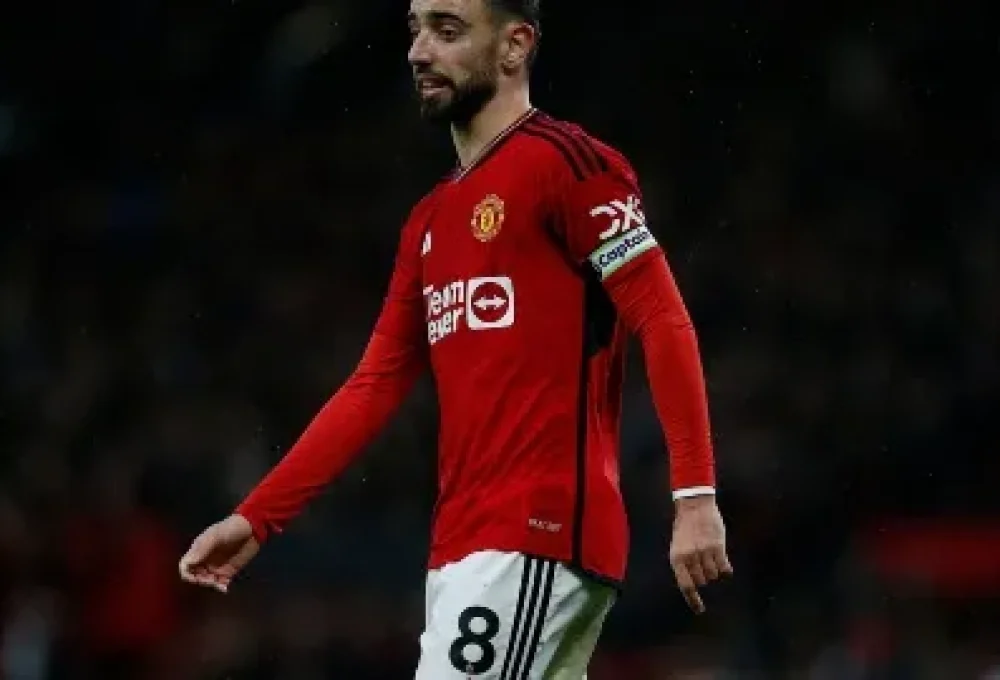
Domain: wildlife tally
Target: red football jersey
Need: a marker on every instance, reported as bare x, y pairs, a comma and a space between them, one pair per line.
526, 350
516, 281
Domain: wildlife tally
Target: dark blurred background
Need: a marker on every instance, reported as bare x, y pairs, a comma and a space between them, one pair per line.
198, 212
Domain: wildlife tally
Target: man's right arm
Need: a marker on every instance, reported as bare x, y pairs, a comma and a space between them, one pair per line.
391, 364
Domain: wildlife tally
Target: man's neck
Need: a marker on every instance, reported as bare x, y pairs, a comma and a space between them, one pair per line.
499, 114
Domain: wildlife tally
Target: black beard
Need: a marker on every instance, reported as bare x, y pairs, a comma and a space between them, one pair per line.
465, 102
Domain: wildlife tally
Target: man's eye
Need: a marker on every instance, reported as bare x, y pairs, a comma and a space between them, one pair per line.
448, 32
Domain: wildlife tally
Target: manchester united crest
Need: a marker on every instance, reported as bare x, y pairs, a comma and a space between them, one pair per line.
487, 218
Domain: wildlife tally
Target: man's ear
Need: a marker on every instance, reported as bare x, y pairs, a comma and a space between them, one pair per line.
519, 41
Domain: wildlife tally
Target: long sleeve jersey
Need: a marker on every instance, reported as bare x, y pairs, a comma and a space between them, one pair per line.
517, 282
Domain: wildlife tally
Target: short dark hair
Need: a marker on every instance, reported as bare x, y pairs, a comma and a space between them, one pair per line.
529, 11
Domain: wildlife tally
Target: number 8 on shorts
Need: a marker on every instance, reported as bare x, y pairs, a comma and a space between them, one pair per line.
506, 616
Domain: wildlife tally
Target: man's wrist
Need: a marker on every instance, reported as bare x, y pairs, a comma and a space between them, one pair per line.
257, 528
697, 502
693, 492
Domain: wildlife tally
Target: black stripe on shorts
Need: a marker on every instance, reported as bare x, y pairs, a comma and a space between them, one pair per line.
537, 578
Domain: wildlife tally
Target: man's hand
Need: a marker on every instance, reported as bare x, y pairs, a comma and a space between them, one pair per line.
698, 550
218, 554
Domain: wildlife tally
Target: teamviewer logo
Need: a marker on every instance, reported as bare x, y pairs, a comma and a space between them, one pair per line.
489, 303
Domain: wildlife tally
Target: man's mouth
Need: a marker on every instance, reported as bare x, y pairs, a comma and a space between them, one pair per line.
429, 84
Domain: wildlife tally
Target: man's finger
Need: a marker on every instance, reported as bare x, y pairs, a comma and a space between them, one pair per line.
205, 579
191, 573
186, 566
210, 578
193, 558
688, 589
196, 578
225, 572
716, 556
721, 560
222, 583
708, 564
694, 600
694, 567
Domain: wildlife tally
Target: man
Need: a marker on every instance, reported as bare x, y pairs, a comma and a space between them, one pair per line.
516, 281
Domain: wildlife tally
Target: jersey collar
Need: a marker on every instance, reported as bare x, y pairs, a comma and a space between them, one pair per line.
460, 172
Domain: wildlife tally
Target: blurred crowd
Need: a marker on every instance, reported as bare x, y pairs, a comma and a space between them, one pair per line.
199, 212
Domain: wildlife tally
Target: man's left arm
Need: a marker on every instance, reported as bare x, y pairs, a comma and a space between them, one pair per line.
605, 227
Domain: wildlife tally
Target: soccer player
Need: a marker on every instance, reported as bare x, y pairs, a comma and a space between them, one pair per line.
517, 281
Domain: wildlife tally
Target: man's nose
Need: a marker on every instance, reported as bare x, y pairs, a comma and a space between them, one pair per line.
419, 54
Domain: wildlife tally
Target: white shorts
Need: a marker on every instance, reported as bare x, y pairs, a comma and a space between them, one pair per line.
505, 616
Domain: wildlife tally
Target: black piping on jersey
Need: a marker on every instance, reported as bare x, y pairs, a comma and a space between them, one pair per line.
580, 501
599, 315
580, 155
582, 166
598, 322
597, 330
537, 578
583, 146
560, 146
